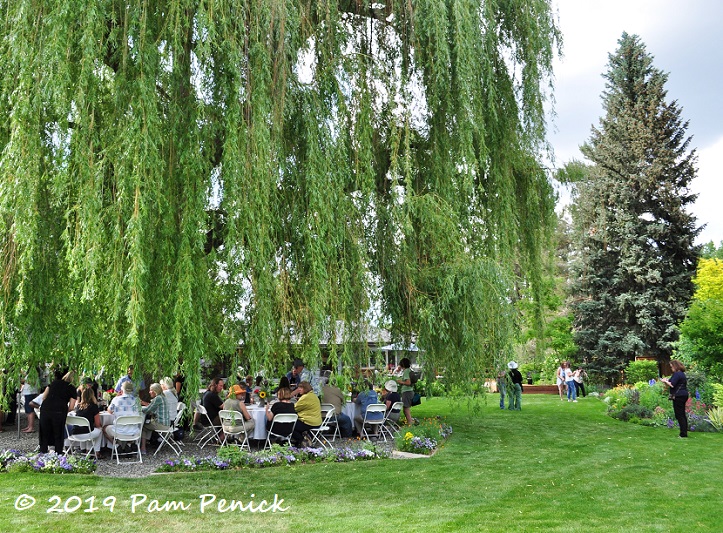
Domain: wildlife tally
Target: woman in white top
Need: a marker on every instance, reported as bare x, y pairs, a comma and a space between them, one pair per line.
560, 375
29, 392
169, 391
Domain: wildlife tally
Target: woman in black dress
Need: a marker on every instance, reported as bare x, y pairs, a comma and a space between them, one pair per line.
58, 399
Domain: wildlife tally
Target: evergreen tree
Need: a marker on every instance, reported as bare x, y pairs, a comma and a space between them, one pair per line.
635, 255
178, 177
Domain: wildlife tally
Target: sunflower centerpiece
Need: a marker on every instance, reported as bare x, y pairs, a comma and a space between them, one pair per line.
262, 392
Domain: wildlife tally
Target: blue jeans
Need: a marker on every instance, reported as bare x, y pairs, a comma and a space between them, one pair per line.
515, 400
571, 390
345, 425
502, 396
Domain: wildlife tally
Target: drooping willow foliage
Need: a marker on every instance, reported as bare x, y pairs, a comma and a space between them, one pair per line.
179, 177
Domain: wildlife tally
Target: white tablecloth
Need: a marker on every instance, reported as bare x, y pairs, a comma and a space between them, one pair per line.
259, 415
351, 409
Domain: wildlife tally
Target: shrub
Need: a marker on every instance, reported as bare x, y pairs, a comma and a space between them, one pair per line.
718, 394
715, 416
641, 371
631, 412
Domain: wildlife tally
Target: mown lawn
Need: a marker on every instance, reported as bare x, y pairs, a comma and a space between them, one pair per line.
554, 466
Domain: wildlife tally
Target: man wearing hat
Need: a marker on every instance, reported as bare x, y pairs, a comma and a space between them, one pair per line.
515, 399
300, 373
235, 402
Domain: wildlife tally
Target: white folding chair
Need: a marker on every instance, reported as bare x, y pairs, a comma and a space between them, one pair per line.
391, 419
317, 434
181, 409
210, 432
333, 423
233, 425
132, 424
374, 416
280, 419
80, 438
166, 436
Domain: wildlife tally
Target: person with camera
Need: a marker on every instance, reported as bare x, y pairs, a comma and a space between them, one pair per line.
678, 384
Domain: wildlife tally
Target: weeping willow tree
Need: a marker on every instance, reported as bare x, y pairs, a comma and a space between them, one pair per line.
181, 176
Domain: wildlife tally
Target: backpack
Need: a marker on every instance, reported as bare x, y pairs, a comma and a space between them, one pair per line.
413, 377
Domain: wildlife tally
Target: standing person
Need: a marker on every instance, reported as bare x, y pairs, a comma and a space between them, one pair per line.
58, 399
570, 384
560, 379
129, 377
579, 376
29, 392
502, 387
515, 401
407, 388
678, 384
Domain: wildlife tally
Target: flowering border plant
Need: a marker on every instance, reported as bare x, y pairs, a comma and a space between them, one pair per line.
49, 463
424, 438
232, 457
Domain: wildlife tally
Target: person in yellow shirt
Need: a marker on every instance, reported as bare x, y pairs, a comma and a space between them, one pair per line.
308, 407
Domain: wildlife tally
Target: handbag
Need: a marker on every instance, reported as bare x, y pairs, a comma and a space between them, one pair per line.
416, 399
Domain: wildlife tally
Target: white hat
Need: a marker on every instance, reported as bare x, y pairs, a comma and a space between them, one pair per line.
512, 365
391, 386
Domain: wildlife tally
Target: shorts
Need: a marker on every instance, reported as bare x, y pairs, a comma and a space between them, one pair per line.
407, 398
29, 398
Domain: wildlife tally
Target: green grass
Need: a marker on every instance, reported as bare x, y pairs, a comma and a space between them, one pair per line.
554, 466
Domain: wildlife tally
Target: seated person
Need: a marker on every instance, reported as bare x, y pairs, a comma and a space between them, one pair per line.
212, 402
125, 404
88, 409
169, 392
157, 415
333, 395
284, 405
308, 407
364, 400
235, 403
392, 396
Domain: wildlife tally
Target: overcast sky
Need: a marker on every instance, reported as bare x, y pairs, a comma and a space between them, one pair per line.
686, 41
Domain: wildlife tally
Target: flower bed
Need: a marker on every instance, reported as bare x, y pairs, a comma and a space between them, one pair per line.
649, 405
49, 463
231, 457
424, 438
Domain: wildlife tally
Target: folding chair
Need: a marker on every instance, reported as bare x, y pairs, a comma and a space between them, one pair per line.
281, 418
166, 436
391, 419
317, 434
80, 438
210, 432
181, 409
133, 423
232, 425
374, 416
333, 424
